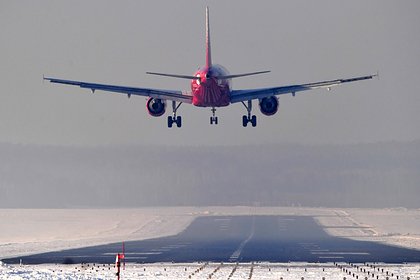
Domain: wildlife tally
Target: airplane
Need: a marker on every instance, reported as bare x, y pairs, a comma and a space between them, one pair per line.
211, 88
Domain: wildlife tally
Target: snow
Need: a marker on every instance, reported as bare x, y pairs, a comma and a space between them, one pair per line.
29, 231
291, 271
394, 226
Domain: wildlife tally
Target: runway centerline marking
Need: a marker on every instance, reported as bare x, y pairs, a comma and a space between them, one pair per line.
234, 257
245, 239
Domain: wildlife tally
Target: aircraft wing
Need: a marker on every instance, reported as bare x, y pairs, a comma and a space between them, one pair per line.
249, 94
155, 93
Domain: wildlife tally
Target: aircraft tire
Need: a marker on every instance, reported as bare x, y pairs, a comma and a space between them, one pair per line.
244, 121
170, 121
178, 121
254, 121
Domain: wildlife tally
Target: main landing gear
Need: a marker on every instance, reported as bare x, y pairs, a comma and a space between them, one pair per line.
213, 118
248, 118
174, 118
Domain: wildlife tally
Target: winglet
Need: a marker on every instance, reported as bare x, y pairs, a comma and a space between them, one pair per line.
208, 48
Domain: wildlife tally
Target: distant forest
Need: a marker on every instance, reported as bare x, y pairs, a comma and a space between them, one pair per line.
363, 175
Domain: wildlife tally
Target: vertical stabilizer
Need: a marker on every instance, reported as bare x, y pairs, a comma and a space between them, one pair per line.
208, 49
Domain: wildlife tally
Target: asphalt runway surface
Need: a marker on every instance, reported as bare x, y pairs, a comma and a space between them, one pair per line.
238, 239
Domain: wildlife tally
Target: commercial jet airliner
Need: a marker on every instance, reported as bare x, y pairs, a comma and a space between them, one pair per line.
210, 87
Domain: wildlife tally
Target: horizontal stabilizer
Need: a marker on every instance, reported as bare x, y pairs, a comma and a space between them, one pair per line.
174, 76
241, 75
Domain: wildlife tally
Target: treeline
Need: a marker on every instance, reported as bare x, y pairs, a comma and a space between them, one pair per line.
364, 175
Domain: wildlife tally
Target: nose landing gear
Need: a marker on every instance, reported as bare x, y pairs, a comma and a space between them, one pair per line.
213, 118
248, 118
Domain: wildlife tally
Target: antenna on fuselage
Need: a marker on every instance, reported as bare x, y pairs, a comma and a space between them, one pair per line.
208, 49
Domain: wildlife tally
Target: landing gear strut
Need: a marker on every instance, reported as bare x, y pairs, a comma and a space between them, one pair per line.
174, 118
213, 118
248, 118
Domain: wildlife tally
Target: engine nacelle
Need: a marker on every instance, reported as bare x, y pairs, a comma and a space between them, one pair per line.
156, 107
269, 105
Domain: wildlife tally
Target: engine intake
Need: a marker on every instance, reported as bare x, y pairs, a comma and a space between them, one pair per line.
269, 105
156, 107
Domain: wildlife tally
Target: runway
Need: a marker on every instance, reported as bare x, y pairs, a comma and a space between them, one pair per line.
238, 239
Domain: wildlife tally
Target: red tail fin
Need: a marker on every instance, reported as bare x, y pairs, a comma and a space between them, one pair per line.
208, 49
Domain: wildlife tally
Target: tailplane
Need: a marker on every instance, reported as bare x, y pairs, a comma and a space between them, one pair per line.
208, 61
174, 76
241, 75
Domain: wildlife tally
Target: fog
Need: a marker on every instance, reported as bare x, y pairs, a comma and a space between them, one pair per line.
364, 175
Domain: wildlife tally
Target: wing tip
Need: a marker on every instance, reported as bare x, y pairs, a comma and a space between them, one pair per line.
376, 75
44, 78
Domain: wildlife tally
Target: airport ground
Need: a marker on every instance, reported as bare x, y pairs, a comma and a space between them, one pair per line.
32, 231
231, 239
232, 271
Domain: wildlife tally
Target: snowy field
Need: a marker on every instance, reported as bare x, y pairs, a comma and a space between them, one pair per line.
292, 271
29, 231
395, 226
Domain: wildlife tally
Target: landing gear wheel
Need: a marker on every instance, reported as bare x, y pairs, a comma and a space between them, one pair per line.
254, 121
244, 121
178, 121
174, 118
170, 121
213, 118
248, 118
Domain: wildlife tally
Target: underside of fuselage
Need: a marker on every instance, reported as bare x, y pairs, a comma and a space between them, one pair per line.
210, 90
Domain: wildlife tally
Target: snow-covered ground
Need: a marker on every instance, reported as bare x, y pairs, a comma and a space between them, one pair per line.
290, 271
395, 226
28, 231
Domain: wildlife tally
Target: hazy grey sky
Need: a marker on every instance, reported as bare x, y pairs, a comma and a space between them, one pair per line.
116, 42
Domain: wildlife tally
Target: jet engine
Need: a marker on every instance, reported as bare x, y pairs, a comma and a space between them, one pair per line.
269, 105
156, 107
